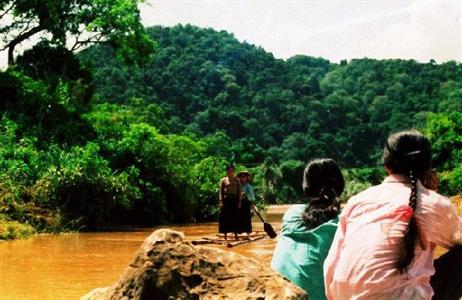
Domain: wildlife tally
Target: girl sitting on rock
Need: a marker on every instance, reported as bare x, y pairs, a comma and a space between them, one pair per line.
308, 229
385, 242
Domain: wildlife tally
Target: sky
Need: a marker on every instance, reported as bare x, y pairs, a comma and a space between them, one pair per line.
336, 30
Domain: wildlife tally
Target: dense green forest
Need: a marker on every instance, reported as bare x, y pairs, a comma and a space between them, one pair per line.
142, 135
207, 81
260, 110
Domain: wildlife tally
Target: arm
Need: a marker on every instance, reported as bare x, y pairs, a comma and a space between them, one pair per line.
250, 194
441, 224
221, 192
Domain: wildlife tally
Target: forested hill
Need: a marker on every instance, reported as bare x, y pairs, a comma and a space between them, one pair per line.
114, 144
207, 81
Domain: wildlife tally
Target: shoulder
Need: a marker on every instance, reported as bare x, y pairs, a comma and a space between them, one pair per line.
328, 227
433, 201
224, 180
370, 194
292, 221
295, 211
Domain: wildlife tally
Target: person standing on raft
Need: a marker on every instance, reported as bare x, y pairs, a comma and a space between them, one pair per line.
247, 201
229, 196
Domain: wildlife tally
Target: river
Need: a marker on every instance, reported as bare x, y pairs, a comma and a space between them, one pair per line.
67, 266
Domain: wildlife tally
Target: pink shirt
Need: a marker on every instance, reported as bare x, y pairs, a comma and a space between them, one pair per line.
361, 261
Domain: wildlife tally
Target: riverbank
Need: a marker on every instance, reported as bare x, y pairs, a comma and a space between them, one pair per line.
10, 230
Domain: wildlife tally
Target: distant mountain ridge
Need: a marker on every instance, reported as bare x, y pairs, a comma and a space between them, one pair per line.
207, 81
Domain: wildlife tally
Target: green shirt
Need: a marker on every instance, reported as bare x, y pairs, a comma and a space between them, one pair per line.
300, 253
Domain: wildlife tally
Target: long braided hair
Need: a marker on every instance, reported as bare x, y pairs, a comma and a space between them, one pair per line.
408, 153
322, 184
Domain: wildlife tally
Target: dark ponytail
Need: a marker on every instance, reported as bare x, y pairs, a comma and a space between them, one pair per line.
408, 153
322, 184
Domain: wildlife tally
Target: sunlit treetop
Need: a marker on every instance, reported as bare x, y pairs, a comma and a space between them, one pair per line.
75, 24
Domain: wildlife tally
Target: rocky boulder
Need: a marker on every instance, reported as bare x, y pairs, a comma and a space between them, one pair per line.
168, 267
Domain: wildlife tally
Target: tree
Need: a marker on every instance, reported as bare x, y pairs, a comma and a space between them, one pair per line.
445, 133
292, 176
84, 21
272, 181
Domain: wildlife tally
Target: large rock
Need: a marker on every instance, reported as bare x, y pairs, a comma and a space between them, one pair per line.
167, 267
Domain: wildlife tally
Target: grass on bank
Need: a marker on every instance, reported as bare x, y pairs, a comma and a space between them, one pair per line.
13, 229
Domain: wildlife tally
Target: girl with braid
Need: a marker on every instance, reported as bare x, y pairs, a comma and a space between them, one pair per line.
386, 237
308, 229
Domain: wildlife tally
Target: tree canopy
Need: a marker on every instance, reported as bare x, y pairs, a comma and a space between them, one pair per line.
206, 81
77, 23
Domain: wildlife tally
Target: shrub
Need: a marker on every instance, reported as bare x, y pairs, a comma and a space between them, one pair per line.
13, 229
85, 188
205, 179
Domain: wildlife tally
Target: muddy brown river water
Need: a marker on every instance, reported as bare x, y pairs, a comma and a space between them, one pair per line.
67, 266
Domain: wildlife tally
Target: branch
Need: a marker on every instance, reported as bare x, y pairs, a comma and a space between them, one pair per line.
26, 28
17, 25
7, 11
19, 39
93, 39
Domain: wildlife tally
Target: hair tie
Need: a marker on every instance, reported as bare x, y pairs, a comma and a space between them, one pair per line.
412, 153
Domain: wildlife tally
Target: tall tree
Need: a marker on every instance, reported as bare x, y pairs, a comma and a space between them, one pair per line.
74, 23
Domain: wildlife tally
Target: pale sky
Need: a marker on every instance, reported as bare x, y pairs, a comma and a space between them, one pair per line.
335, 30
420, 30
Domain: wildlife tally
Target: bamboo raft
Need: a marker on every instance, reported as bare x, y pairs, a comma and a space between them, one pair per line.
231, 241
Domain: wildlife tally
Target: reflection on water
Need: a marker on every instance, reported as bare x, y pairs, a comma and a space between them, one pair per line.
68, 266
